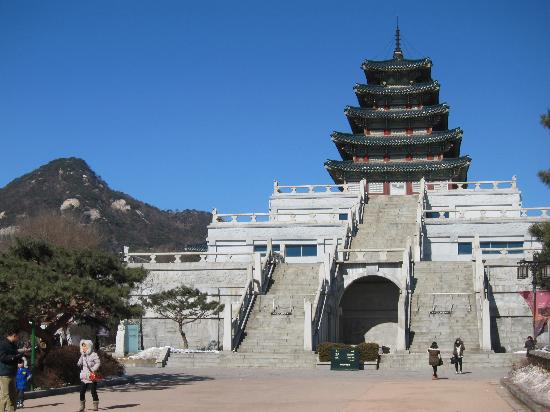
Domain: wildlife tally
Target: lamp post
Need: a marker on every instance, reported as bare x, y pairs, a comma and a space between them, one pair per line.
537, 268
33, 349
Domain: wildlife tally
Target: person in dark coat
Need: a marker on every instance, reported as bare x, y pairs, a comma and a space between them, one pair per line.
458, 354
530, 344
434, 358
9, 357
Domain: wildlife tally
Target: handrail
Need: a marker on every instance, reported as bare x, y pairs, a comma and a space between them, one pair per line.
245, 305
327, 273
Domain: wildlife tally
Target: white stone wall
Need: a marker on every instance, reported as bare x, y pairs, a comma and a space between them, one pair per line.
511, 318
223, 281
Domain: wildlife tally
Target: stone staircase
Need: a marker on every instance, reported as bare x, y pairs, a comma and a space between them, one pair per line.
443, 306
276, 322
387, 222
274, 333
470, 361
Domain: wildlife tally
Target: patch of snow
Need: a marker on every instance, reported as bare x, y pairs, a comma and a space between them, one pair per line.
69, 204
521, 351
93, 214
533, 380
154, 353
8, 231
121, 205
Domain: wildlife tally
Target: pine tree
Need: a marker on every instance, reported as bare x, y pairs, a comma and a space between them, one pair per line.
52, 287
541, 231
183, 305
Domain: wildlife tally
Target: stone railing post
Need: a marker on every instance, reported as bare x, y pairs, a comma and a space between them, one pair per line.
125, 252
214, 215
255, 272
401, 320
227, 328
308, 339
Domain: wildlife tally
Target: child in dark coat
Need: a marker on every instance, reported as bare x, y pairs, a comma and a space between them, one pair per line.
22, 379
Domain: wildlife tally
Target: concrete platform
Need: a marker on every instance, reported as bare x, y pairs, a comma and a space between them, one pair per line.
213, 389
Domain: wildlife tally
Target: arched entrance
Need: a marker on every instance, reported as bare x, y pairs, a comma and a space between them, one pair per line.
369, 312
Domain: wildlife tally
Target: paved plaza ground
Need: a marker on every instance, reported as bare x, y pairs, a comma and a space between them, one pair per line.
228, 390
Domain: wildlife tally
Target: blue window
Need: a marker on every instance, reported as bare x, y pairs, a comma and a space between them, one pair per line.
262, 249
464, 248
301, 250
500, 245
343, 216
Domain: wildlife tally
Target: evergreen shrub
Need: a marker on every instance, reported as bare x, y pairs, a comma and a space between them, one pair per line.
58, 368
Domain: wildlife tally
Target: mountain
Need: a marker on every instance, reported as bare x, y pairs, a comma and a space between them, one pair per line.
69, 185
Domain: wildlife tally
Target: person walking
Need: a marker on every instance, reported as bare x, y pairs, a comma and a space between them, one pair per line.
22, 379
458, 354
90, 363
9, 357
530, 344
434, 358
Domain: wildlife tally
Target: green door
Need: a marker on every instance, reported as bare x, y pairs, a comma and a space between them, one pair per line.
132, 338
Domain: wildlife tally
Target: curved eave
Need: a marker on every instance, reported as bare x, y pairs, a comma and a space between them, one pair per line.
452, 135
396, 65
362, 113
446, 169
377, 90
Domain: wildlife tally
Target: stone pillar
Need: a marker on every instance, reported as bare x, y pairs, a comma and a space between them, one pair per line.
256, 272
227, 328
486, 326
308, 343
400, 343
120, 349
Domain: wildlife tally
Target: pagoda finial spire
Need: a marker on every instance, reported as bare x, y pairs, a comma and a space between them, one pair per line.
397, 53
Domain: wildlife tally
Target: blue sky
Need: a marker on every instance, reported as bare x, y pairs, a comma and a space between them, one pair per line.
202, 104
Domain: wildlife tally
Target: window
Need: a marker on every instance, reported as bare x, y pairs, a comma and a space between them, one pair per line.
465, 248
343, 216
263, 249
500, 245
301, 250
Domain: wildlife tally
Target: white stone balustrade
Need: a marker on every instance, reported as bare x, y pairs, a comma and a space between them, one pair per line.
317, 216
175, 257
536, 213
472, 186
301, 189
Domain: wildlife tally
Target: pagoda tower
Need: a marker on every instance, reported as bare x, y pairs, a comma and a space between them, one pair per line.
400, 130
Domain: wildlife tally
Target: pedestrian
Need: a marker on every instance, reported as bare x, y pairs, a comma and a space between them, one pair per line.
89, 362
434, 358
530, 344
458, 354
22, 379
9, 357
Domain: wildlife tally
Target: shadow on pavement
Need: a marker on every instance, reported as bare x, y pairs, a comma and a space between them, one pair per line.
157, 382
44, 405
127, 405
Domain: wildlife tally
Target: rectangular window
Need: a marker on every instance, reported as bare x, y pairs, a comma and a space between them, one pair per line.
343, 216
500, 245
262, 249
465, 248
301, 250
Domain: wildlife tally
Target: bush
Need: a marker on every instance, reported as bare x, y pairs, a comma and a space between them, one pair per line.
367, 350
58, 367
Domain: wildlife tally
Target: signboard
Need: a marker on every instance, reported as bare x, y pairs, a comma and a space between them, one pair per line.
345, 360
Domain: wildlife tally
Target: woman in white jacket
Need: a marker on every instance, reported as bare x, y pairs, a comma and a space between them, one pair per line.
89, 363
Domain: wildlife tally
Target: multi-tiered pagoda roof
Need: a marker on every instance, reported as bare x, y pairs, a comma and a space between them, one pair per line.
400, 129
